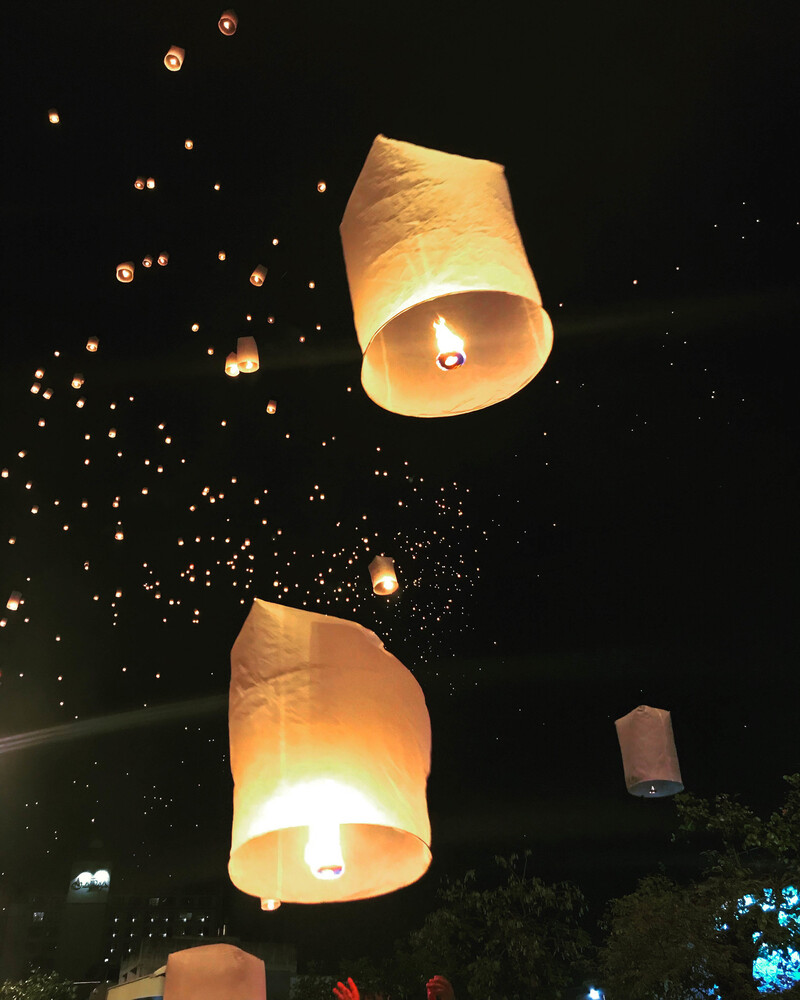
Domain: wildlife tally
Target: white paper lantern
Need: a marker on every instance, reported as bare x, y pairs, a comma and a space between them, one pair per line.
429, 240
258, 275
228, 22
383, 575
247, 354
648, 750
125, 272
173, 60
215, 972
330, 754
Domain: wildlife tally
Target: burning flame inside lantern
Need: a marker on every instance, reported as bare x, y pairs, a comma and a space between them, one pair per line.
323, 853
451, 347
270, 904
386, 584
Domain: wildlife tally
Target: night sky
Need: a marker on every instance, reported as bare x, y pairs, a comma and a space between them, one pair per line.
620, 532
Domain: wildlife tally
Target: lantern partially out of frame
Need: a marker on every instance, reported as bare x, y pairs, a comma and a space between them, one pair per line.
648, 750
258, 275
247, 354
221, 971
173, 60
229, 22
330, 753
384, 578
432, 251
125, 272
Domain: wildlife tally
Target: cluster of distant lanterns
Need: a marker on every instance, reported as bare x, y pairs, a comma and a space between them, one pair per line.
450, 320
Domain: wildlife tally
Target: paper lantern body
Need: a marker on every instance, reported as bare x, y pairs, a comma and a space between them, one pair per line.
258, 275
326, 726
125, 272
147, 261
425, 235
228, 22
214, 972
648, 750
173, 60
139, 183
13, 602
384, 578
53, 116
272, 406
92, 344
163, 259
247, 354
231, 365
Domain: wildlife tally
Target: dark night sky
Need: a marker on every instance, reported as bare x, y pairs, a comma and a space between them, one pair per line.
622, 531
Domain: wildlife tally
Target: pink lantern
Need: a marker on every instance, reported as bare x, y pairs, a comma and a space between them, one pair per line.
648, 750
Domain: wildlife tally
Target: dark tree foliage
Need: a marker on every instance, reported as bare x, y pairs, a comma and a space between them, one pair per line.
38, 986
669, 942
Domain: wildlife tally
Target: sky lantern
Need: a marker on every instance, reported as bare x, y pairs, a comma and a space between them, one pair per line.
188, 144
147, 261
139, 183
272, 406
247, 354
258, 275
232, 365
92, 344
384, 578
77, 380
648, 750
36, 387
53, 116
173, 60
330, 754
163, 259
151, 183
446, 308
229, 22
14, 600
125, 272
221, 971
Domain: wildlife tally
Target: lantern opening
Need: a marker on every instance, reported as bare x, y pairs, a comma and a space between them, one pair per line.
450, 346
231, 365
270, 904
323, 853
386, 585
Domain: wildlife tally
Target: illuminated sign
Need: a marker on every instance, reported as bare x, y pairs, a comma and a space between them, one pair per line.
90, 883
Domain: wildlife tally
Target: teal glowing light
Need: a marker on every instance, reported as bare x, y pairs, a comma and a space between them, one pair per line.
775, 970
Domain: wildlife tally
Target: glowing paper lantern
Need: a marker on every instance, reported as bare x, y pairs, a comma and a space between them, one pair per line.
228, 23
272, 406
77, 380
648, 750
92, 344
188, 144
330, 754
258, 275
214, 972
270, 904
247, 354
53, 116
429, 237
125, 272
148, 261
384, 578
231, 365
139, 183
13, 602
163, 259
173, 60
151, 183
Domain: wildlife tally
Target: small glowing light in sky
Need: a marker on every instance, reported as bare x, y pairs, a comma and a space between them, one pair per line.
53, 116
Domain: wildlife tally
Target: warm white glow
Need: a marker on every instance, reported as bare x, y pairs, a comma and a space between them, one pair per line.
323, 853
228, 22
92, 344
77, 381
272, 406
163, 259
189, 144
125, 272
52, 116
13, 603
139, 183
173, 60
258, 275
270, 904
450, 346
151, 183
322, 187
386, 585
231, 365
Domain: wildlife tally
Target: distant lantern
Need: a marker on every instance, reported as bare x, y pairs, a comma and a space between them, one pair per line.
648, 750
384, 578
231, 365
36, 387
430, 243
47, 393
324, 810
163, 259
214, 970
229, 22
221, 255
53, 116
77, 380
139, 183
272, 406
92, 344
322, 187
125, 272
80, 402
4, 473
188, 144
247, 354
173, 60
147, 261
258, 275
13, 602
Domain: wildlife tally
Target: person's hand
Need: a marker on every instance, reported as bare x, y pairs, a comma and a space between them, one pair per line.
349, 992
439, 988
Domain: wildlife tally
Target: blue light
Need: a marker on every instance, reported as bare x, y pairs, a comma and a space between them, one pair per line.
775, 971
594, 994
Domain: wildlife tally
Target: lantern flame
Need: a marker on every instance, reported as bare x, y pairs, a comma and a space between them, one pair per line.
451, 347
323, 853
386, 585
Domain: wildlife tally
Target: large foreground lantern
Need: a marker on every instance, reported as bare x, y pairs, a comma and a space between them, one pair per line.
215, 972
330, 755
446, 308
383, 575
648, 750
247, 354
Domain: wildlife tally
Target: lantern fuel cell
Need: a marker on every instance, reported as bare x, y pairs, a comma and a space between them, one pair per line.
432, 251
649, 757
330, 754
